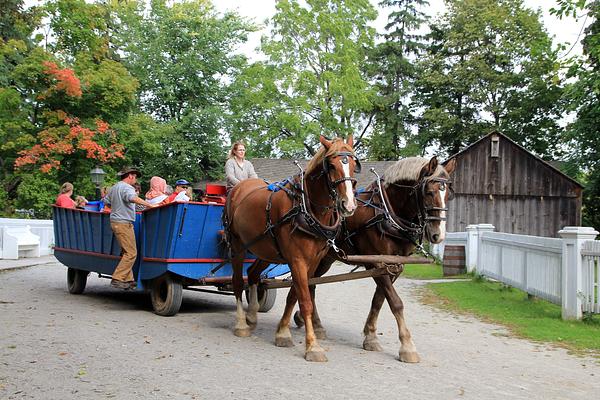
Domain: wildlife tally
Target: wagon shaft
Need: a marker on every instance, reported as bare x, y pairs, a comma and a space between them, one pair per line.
384, 259
276, 283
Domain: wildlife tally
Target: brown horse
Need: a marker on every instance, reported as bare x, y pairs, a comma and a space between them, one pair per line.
392, 218
295, 225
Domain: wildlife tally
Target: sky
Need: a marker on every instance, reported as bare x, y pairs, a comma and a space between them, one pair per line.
566, 30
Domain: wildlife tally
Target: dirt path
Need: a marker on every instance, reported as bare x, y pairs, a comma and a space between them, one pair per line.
108, 344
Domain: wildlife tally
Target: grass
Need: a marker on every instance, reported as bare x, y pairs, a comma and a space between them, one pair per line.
533, 319
426, 271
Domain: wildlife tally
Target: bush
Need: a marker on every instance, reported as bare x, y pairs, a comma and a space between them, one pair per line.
37, 191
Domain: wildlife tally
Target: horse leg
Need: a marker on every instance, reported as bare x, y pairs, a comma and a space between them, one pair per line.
314, 352
371, 343
283, 336
408, 350
241, 328
253, 278
320, 331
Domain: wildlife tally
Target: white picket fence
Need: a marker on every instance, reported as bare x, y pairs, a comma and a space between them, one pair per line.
565, 271
590, 295
532, 264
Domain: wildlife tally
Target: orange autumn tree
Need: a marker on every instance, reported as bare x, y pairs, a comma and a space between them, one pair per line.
55, 142
63, 134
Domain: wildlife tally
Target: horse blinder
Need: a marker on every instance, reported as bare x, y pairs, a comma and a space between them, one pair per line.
445, 184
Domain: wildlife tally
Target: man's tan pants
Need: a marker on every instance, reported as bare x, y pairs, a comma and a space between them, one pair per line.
126, 238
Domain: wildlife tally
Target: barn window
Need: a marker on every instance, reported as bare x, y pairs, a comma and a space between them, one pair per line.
495, 149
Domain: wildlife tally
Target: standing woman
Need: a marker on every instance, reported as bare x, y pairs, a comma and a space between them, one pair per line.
64, 198
237, 168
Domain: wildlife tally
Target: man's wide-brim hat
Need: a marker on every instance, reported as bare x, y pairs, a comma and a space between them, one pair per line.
129, 170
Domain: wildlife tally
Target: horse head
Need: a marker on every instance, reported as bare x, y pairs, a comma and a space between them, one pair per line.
435, 192
419, 191
338, 164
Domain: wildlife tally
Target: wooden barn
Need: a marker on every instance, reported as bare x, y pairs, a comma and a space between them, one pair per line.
499, 182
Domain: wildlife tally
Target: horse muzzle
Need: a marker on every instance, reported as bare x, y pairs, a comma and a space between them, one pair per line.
347, 207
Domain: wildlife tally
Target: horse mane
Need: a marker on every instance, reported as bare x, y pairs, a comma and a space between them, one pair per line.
317, 160
408, 169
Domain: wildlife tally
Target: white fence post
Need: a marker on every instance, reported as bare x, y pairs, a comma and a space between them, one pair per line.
471, 248
573, 239
481, 229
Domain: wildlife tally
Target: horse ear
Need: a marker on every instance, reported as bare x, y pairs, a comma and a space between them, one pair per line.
450, 166
350, 140
324, 141
432, 166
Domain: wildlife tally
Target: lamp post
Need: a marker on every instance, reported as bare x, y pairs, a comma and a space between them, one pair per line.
97, 175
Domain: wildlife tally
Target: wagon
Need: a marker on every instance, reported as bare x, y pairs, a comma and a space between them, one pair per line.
180, 247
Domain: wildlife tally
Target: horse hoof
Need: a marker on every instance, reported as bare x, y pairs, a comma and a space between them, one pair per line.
242, 332
321, 334
298, 319
372, 345
284, 342
410, 357
315, 356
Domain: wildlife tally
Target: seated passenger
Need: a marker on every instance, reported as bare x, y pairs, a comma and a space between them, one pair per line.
179, 194
80, 202
138, 188
198, 194
157, 192
103, 207
189, 192
237, 168
64, 198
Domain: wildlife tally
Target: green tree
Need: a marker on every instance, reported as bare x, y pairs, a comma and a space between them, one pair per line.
490, 64
583, 97
17, 130
58, 104
183, 55
313, 80
395, 74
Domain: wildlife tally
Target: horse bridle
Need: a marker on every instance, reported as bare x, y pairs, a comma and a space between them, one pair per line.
423, 209
331, 185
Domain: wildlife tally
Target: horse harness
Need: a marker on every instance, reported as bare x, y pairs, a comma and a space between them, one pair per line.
300, 215
389, 223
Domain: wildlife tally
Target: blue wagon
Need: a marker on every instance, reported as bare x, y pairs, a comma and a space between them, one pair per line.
179, 247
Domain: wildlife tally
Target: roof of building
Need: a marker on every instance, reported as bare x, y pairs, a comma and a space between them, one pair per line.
274, 170
549, 164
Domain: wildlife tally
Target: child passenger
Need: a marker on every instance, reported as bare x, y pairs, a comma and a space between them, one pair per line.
157, 192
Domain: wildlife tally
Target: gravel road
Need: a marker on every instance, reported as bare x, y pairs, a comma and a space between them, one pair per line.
108, 344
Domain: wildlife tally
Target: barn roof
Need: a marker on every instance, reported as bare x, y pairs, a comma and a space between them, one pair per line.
274, 170
548, 164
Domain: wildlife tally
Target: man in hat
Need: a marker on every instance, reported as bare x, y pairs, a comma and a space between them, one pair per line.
179, 193
122, 199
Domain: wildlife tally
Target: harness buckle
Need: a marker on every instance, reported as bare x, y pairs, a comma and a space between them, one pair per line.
331, 243
421, 249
